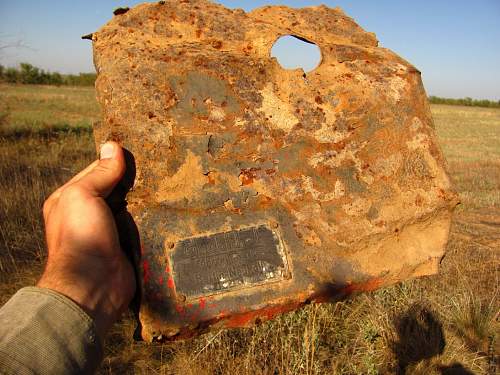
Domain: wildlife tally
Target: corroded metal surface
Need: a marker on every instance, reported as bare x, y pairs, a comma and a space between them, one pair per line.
341, 164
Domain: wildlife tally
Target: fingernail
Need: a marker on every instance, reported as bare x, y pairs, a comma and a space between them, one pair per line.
107, 150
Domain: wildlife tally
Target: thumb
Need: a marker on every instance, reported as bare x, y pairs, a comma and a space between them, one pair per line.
107, 173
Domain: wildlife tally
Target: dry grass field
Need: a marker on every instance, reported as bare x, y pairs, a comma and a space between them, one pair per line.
445, 324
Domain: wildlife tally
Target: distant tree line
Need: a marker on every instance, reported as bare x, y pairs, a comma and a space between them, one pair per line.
465, 101
29, 74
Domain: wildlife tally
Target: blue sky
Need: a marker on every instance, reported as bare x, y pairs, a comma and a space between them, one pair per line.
455, 43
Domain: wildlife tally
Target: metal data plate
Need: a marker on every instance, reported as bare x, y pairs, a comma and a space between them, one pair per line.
224, 261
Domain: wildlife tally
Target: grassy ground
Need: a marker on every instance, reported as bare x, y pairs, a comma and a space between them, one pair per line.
445, 324
39, 107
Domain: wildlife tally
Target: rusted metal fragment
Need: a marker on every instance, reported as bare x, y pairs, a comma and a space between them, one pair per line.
121, 10
341, 165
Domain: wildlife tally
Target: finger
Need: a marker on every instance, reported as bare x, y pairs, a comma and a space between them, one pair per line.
80, 174
57, 193
74, 179
101, 179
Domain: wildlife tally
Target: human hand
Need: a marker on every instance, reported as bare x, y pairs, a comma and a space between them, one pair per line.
85, 261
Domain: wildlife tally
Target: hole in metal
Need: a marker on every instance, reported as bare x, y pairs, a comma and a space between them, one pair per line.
294, 52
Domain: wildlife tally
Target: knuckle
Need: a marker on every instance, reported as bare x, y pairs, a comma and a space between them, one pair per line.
74, 192
46, 206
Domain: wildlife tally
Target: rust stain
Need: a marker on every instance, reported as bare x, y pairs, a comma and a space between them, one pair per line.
247, 176
243, 320
368, 286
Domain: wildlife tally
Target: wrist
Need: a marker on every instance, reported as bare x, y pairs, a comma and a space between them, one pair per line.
91, 292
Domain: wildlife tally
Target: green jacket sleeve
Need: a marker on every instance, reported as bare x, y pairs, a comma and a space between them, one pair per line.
44, 332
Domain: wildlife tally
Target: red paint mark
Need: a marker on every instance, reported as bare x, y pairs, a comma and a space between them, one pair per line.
364, 287
202, 303
160, 280
170, 283
179, 309
223, 314
195, 317
245, 319
167, 269
146, 273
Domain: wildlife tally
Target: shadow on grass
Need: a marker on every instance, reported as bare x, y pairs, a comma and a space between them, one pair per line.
454, 369
420, 337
